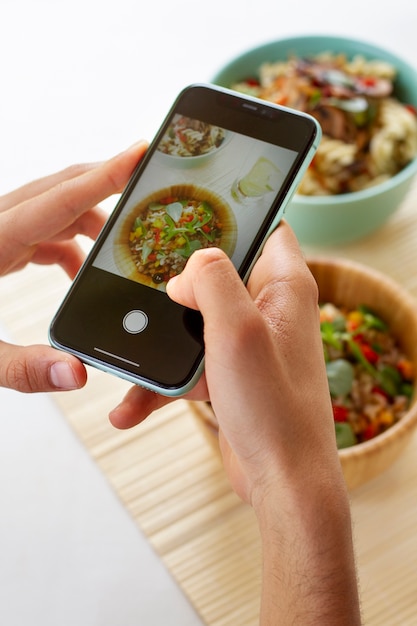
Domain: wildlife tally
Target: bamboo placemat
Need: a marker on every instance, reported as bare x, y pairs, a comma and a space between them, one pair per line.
168, 477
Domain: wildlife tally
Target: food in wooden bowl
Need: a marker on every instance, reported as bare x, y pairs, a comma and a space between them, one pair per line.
159, 234
369, 332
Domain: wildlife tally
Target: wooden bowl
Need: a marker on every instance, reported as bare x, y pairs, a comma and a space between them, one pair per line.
121, 249
347, 283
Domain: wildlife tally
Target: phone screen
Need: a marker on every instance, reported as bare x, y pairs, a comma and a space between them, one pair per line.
216, 175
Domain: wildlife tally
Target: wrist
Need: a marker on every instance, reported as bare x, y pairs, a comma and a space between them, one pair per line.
308, 556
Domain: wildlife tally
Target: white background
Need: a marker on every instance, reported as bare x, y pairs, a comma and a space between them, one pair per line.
80, 81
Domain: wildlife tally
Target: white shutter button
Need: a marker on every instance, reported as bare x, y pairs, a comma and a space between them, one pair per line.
135, 322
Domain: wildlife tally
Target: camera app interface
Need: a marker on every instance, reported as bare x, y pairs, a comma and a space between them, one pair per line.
203, 186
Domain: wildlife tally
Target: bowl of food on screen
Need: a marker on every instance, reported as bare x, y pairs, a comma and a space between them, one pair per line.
365, 99
368, 326
159, 234
190, 143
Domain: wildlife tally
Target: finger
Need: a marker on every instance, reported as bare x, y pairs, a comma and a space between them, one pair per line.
280, 260
88, 224
212, 285
237, 341
39, 368
68, 254
203, 282
48, 214
36, 187
139, 403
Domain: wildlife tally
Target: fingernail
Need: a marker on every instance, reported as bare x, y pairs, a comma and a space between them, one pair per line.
62, 376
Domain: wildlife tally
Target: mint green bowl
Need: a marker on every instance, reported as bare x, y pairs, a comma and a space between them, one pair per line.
338, 219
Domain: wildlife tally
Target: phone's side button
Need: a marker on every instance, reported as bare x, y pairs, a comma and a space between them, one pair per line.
135, 321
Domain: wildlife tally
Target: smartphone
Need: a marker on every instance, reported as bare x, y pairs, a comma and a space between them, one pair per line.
220, 172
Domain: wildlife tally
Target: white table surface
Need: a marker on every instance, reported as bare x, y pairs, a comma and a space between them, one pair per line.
80, 81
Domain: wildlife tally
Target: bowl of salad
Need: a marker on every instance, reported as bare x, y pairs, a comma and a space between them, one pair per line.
158, 235
190, 143
365, 99
369, 334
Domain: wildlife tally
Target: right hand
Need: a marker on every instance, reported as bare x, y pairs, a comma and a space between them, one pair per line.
265, 368
267, 382
266, 379
264, 365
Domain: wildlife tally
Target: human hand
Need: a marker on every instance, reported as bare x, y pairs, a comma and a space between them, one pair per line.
266, 380
264, 365
38, 224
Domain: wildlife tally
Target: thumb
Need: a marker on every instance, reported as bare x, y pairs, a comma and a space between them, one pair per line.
39, 368
211, 284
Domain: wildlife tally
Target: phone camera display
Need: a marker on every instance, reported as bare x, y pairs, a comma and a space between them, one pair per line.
215, 175
220, 187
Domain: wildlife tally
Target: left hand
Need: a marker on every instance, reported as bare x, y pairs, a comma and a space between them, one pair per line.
38, 224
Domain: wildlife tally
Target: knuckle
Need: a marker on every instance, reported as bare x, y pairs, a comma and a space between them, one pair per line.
250, 328
285, 302
308, 286
19, 376
77, 169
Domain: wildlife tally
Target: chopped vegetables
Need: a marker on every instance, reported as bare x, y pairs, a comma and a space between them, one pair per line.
370, 379
168, 231
187, 137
